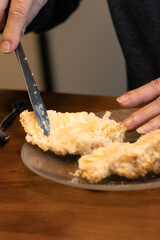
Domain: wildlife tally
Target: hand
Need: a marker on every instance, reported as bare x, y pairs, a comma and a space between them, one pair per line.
146, 118
20, 14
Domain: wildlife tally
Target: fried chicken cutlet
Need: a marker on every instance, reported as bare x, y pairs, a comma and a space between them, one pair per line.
72, 133
130, 160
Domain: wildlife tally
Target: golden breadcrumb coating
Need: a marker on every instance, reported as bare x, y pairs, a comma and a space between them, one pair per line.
72, 133
130, 160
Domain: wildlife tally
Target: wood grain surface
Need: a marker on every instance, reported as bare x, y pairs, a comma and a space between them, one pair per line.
34, 208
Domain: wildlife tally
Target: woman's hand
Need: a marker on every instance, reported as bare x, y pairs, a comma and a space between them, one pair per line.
15, 20
146, 118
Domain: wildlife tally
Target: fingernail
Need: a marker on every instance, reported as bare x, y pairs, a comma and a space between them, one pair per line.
122, 99
5, 46
128, 122
145, 129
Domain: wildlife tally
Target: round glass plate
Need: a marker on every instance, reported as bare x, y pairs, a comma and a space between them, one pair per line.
61, 169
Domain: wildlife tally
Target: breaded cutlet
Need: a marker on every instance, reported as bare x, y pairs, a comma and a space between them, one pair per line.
130, 160
72, 133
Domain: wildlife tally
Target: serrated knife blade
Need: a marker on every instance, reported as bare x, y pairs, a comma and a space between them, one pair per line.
33, 92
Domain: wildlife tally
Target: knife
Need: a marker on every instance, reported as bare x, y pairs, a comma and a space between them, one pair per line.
33, 92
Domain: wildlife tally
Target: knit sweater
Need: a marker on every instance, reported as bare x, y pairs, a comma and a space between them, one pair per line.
137, 23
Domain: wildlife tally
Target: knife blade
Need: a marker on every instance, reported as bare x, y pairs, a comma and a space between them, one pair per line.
33, 92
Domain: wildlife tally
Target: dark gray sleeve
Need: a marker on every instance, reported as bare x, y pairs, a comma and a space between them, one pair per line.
53, 13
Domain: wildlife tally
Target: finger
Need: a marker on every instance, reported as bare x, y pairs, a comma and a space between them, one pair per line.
143, 115
146, 93
152, 125
3, 7
16, 21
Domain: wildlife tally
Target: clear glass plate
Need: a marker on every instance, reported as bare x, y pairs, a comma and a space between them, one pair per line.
61, 169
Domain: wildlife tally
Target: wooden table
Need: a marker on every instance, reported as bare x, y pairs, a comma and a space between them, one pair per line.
34, 208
